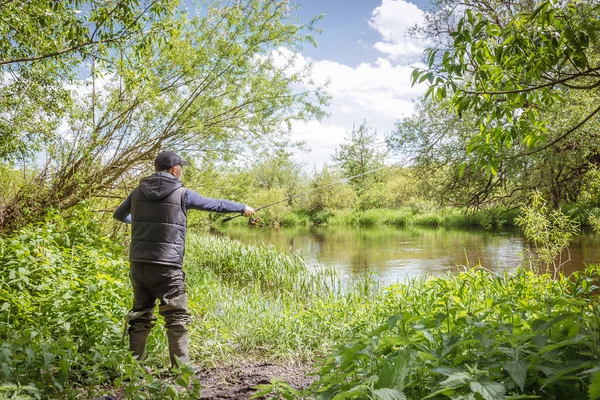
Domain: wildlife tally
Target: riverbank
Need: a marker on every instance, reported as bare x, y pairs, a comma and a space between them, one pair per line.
426, 216
67, 293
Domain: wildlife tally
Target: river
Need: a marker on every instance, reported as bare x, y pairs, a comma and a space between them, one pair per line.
394, 254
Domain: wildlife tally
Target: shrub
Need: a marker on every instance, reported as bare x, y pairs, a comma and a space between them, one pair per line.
64, 296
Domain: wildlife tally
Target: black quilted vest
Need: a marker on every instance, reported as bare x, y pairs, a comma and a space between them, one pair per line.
158, 218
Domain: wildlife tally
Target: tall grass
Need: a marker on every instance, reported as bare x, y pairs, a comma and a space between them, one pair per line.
402, 217
408, 216
258, 302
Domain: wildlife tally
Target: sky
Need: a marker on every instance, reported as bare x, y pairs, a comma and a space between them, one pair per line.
368, 57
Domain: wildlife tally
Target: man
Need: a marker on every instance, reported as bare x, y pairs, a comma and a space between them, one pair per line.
157, 211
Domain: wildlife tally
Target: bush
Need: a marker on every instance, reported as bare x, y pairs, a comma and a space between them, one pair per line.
321, 217
63, 304
295, 219
64, 296
377, 196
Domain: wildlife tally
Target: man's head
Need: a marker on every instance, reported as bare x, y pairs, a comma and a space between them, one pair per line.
170, 162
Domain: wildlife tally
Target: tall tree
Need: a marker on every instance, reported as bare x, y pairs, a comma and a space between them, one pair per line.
212, 82
510, 61
46, 44
360, 154
437, 141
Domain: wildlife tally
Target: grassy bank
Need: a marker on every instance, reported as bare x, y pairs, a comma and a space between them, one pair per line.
475, 335
66, 293
402, 217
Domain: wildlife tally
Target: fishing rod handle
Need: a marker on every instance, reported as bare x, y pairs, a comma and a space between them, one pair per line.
229, 218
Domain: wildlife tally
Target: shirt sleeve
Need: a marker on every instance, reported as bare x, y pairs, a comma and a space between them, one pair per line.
196, 202
123, 212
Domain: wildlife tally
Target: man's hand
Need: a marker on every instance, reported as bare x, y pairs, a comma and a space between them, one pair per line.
248, 211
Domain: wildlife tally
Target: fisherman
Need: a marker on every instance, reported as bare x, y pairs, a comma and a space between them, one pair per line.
157, 210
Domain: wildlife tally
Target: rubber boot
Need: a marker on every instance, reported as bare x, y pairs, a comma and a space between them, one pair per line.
137, 344
178, 345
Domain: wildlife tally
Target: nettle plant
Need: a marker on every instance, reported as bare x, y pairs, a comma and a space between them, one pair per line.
476, 335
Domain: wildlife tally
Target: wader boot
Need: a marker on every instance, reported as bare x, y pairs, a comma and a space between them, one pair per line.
178, 345
140, 325
176, 318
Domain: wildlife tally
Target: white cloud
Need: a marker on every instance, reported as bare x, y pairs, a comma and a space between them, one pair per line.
321, 138
380, 93
392, 19
380, 90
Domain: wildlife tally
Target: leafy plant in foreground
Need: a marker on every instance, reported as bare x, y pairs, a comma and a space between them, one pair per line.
476, 335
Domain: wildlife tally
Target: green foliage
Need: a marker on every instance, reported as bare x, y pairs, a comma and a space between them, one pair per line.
208, 81
376, 196
34, 68
63, 302
359, 155
291, 219
329, 196
550, 231
426, 216
475, 335
507, 62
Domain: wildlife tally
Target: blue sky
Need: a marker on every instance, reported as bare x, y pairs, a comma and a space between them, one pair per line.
366, 54
347, 34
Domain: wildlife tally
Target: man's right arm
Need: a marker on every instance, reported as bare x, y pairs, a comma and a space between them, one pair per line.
123, 212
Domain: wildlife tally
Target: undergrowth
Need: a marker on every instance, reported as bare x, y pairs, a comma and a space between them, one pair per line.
476, 335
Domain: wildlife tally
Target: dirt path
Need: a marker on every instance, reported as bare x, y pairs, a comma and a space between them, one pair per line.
236, 382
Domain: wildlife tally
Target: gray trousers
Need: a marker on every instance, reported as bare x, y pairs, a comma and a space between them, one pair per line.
167, 284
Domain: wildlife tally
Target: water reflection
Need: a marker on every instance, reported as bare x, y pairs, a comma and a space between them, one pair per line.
394, 254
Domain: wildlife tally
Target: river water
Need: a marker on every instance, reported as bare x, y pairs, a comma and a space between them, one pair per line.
394, 254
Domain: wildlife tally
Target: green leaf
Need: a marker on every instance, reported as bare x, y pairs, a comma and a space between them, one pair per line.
568, 342
456, 380
393, 374
359, 392
537, 11
565, 371
594, 389
388, 394
488, 390
517, 370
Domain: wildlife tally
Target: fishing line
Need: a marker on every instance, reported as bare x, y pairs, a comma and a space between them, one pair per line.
309, 191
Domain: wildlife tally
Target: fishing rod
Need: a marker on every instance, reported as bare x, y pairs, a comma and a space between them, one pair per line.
307, 192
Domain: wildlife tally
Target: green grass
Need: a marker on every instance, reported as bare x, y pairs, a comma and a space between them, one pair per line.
475, 335
402, 217
256, 301
406, 217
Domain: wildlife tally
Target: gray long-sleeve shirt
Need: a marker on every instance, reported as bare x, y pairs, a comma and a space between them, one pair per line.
193, 201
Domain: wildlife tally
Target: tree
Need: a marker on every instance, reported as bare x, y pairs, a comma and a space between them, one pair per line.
509, 62
360, 155
45, 44
330, 195
211, 84
437, 140
280, 171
